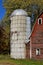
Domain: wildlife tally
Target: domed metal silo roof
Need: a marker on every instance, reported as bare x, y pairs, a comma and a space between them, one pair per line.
18, 12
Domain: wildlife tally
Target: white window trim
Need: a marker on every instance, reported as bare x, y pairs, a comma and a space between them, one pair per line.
37, 52
41, 20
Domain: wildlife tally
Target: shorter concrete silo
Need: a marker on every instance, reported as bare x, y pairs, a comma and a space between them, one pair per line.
28, 29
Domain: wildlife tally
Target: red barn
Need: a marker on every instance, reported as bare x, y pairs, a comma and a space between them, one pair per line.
36, 39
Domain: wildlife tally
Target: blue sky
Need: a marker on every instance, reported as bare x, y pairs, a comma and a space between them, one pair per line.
2, 10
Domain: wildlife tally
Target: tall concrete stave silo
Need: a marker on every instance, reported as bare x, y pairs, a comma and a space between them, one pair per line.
18, 34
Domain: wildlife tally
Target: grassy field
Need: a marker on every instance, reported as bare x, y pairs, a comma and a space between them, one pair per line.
6, 60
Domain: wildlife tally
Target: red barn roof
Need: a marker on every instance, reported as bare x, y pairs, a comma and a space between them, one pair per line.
35, 23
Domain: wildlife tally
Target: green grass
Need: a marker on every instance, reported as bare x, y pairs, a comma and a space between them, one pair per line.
5, 59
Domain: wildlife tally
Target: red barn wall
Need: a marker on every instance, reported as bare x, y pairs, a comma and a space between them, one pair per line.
37, 39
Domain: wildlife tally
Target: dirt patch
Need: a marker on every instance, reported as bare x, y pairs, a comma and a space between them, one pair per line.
7, 64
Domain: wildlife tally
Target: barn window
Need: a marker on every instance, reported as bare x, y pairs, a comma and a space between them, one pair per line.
40, 21
37, 51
